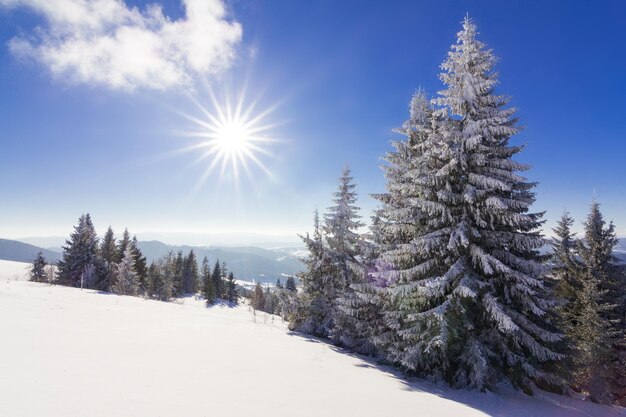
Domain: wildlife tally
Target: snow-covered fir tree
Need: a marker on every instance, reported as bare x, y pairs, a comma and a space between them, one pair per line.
596, 323
232, 296
398, 225
178, 267
470, 304
313, 312
139, 264
208, 288
363, 305
38, 269
165, 286
344, 247
80, 256
108, 258
290, 284
257, 301
563, 278
152, 279
126, 281
224, 275
218, 281
190, 273
123, 243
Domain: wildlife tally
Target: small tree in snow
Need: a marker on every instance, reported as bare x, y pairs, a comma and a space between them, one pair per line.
38, 269
126, 280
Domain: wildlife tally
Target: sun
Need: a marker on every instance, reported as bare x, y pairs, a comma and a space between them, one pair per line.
232, 137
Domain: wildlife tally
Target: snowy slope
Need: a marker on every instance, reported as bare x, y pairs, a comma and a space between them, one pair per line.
66, 352
14, 271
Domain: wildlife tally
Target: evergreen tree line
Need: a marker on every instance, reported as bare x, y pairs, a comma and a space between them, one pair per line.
119, 267
450, 282
277, 300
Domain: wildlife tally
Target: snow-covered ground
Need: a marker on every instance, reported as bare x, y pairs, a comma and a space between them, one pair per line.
66, 352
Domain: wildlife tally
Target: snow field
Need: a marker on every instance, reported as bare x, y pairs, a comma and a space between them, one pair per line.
66, 352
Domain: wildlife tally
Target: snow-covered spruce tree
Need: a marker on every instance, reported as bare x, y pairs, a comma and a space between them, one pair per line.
152, 279
208, 289
313, 309
164, 285
179, 264
80, 256
271, 301
38, 269
232, 296
123, 243
190, 273
563, 278
257, 301
218, 281
599, 332
406, 338
344, 247
470, 303
564, 265
224, 272
126, 279
363, 305
290, 284
108, 259
139, 264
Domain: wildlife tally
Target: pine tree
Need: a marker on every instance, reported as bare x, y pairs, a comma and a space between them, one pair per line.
345, 246
314, 310
231, 289
126, 279
179, 264
563, 278
164, 285
108, 257
152, 279
139, 264
290, 284
190, 273
122, 245
218, 281
80, 256
258, 298
469, 301
224, 273
270, 301
364, 308
598, 326
208, 287
38, 269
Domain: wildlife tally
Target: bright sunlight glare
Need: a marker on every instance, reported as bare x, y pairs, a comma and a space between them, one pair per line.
231, 138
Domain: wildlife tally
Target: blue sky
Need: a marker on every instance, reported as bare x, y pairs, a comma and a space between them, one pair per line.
338, 76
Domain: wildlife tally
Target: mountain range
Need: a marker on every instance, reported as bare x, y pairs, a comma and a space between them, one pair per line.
247, 263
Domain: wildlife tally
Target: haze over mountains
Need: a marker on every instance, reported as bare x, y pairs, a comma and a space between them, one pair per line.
248, 263
258, 240
263, 261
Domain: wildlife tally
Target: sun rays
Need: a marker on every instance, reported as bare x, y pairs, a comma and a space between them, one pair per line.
230, 138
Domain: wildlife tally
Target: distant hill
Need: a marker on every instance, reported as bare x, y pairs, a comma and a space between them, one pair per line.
247, 263
12, 250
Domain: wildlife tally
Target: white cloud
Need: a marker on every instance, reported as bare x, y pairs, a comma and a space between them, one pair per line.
108, 43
